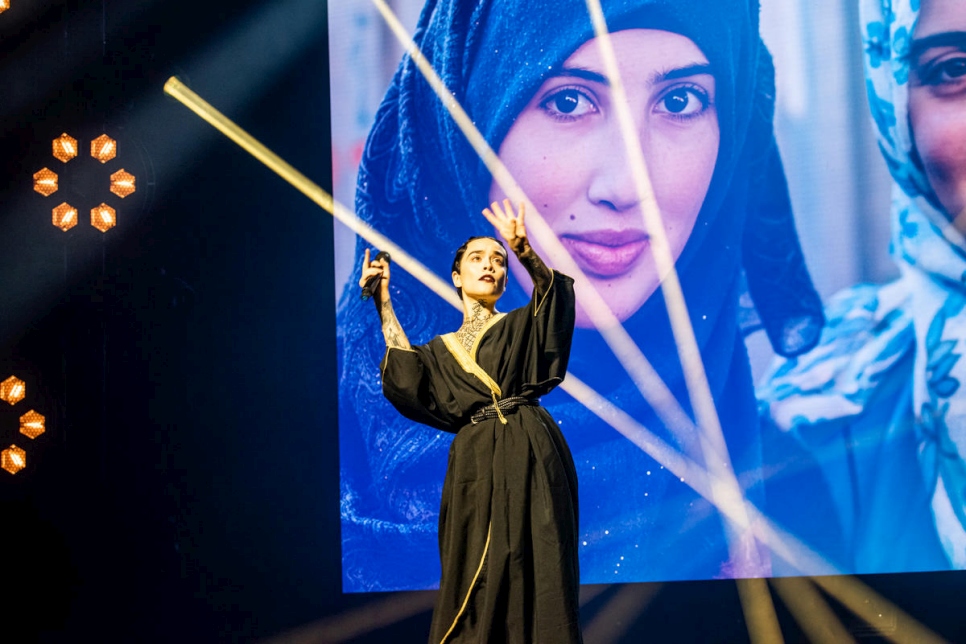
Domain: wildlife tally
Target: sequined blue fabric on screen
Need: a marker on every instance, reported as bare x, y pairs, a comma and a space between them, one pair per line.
421, 184
878, 402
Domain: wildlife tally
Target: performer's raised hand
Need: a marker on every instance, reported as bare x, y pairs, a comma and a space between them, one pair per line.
376, 268
514, 233
509, 225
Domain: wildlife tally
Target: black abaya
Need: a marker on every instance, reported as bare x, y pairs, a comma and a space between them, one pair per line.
508, 518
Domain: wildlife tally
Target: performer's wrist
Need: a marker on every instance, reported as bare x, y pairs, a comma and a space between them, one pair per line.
522, 249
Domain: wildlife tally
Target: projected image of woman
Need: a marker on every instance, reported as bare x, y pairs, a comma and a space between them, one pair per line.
700, 88
880, 401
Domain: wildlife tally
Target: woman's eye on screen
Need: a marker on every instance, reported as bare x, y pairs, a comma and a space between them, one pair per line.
568, 104
683, 102
950, 71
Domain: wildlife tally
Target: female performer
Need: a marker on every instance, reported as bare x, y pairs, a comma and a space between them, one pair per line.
508, 518
531, 76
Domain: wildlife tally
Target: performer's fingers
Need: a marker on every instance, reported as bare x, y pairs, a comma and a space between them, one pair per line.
495, 207
365, 269
523, 211
492, 218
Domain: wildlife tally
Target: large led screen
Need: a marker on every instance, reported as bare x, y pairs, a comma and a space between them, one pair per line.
804, 414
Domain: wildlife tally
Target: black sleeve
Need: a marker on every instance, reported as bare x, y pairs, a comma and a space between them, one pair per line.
407, 384
552, 331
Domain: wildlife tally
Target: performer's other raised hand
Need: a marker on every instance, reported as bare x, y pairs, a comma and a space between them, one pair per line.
370, 269
509, 225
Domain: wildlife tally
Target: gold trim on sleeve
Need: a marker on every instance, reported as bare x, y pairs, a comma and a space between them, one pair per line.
385, 359
544, 298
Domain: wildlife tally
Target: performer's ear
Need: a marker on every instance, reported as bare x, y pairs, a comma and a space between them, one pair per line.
456, 280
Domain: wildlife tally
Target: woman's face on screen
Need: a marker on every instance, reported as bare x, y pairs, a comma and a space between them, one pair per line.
567, 152
937, 100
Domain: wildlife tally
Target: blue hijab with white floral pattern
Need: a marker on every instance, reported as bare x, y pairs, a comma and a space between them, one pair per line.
920, 319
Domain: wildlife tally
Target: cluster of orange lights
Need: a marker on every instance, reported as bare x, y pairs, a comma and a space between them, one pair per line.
4, 5
32, 424
66, 148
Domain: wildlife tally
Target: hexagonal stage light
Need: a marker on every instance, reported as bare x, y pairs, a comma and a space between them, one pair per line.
65, 147
13, 459
32, 424
45, 182
65, 216
122, 183
103, 217
12, 390
103, 148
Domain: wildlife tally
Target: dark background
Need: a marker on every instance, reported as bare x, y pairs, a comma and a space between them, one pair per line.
186, 489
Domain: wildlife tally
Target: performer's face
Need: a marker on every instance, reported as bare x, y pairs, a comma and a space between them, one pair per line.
567, 152
482, 275
937, 101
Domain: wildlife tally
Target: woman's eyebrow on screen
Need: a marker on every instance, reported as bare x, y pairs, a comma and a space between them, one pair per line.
584, 74
694, 69
676, 73
945, 39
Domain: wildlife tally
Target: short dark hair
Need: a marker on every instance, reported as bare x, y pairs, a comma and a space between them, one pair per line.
458, 259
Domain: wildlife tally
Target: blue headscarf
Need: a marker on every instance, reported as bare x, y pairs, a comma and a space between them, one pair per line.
913, 329
422, 184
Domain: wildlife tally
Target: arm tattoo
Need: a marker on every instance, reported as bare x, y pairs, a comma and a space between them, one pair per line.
391, 329
539, 272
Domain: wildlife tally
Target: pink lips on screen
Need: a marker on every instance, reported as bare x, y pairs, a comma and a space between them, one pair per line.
606, 253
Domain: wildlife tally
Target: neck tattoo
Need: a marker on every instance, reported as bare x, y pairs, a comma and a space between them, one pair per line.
472, 325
